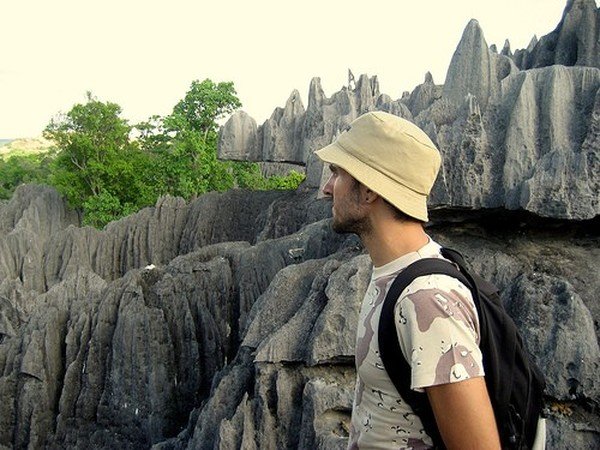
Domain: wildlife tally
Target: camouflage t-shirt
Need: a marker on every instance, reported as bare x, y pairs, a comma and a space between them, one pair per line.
438, 331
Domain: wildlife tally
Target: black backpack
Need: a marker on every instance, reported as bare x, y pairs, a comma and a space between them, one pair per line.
514, 382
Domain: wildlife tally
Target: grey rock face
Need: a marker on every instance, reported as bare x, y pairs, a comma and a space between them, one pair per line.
238, 138
298, 323
295, 335
42, 247
553, 317
561, 108
516, 142
421, 98
123, 362
281, 133
537, 133
575, 41
582, 433
312, 335
28, 220
474, 69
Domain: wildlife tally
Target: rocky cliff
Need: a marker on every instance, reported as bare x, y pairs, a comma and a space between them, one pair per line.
229, 321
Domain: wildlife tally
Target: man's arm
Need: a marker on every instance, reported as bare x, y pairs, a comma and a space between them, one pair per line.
464, 415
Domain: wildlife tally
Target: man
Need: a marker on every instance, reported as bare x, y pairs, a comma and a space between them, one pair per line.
383, 169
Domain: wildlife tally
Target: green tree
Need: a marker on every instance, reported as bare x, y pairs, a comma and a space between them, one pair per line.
106, 174
289, 182
203, 106
248, 176
97, 160
186, 142
19, 169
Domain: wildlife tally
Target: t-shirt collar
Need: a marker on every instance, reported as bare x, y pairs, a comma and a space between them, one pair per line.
430, 249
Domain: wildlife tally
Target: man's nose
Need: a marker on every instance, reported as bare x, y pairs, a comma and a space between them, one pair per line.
327, 189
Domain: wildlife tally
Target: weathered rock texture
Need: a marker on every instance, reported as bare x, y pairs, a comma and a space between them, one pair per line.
243, 338
121, 337
575, 41
229, 321
516, 131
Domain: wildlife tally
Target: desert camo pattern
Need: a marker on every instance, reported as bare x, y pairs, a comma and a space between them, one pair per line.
438, 331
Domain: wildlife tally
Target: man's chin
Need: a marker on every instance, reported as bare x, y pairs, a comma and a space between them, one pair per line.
355, 226
340, 227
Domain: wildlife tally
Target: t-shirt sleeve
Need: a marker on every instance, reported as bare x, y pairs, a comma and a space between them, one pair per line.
438, 331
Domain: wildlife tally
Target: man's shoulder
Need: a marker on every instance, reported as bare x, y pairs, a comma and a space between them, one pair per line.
435, 281
438, 288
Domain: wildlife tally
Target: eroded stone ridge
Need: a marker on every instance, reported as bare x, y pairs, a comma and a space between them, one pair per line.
574, 42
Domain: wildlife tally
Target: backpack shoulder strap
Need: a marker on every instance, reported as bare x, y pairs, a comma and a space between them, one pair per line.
393, 359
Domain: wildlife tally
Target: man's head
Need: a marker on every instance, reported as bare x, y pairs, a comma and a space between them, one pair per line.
390, 157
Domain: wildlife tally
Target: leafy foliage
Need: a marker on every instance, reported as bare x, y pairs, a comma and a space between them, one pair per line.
248, 176
104, 208
21, 169
203, 105
97, 159
185, 142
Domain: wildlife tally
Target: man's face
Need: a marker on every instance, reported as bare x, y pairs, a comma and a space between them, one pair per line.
349, 215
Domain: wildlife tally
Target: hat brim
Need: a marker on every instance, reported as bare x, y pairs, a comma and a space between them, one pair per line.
405, 199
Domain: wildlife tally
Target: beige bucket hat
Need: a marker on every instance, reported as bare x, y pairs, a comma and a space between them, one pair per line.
391, 156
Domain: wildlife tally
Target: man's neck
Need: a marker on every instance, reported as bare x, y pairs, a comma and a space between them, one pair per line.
390, 240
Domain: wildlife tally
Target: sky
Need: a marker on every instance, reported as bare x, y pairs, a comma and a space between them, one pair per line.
144, 54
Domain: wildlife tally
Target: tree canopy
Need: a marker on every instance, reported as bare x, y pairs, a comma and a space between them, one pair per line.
98, 168
19, 169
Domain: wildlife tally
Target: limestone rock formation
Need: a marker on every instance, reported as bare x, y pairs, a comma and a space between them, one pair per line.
103, 359
575, 41
281, 133
475, 69
421, 98
538, 133
239, 134
300, 320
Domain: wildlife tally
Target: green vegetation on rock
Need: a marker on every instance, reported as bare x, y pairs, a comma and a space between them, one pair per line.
19, 169
107, 174
97, 166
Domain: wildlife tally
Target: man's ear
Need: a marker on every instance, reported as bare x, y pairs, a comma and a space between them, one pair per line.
370, 196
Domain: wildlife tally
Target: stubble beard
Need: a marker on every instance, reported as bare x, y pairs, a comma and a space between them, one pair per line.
359, 226
353, 222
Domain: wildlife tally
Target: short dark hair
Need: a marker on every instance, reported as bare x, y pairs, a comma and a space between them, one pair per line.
399, 215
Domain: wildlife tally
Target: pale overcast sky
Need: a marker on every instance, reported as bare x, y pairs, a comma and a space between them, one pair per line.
144, 54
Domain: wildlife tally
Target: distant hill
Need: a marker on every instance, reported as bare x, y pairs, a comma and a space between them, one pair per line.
24, 146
